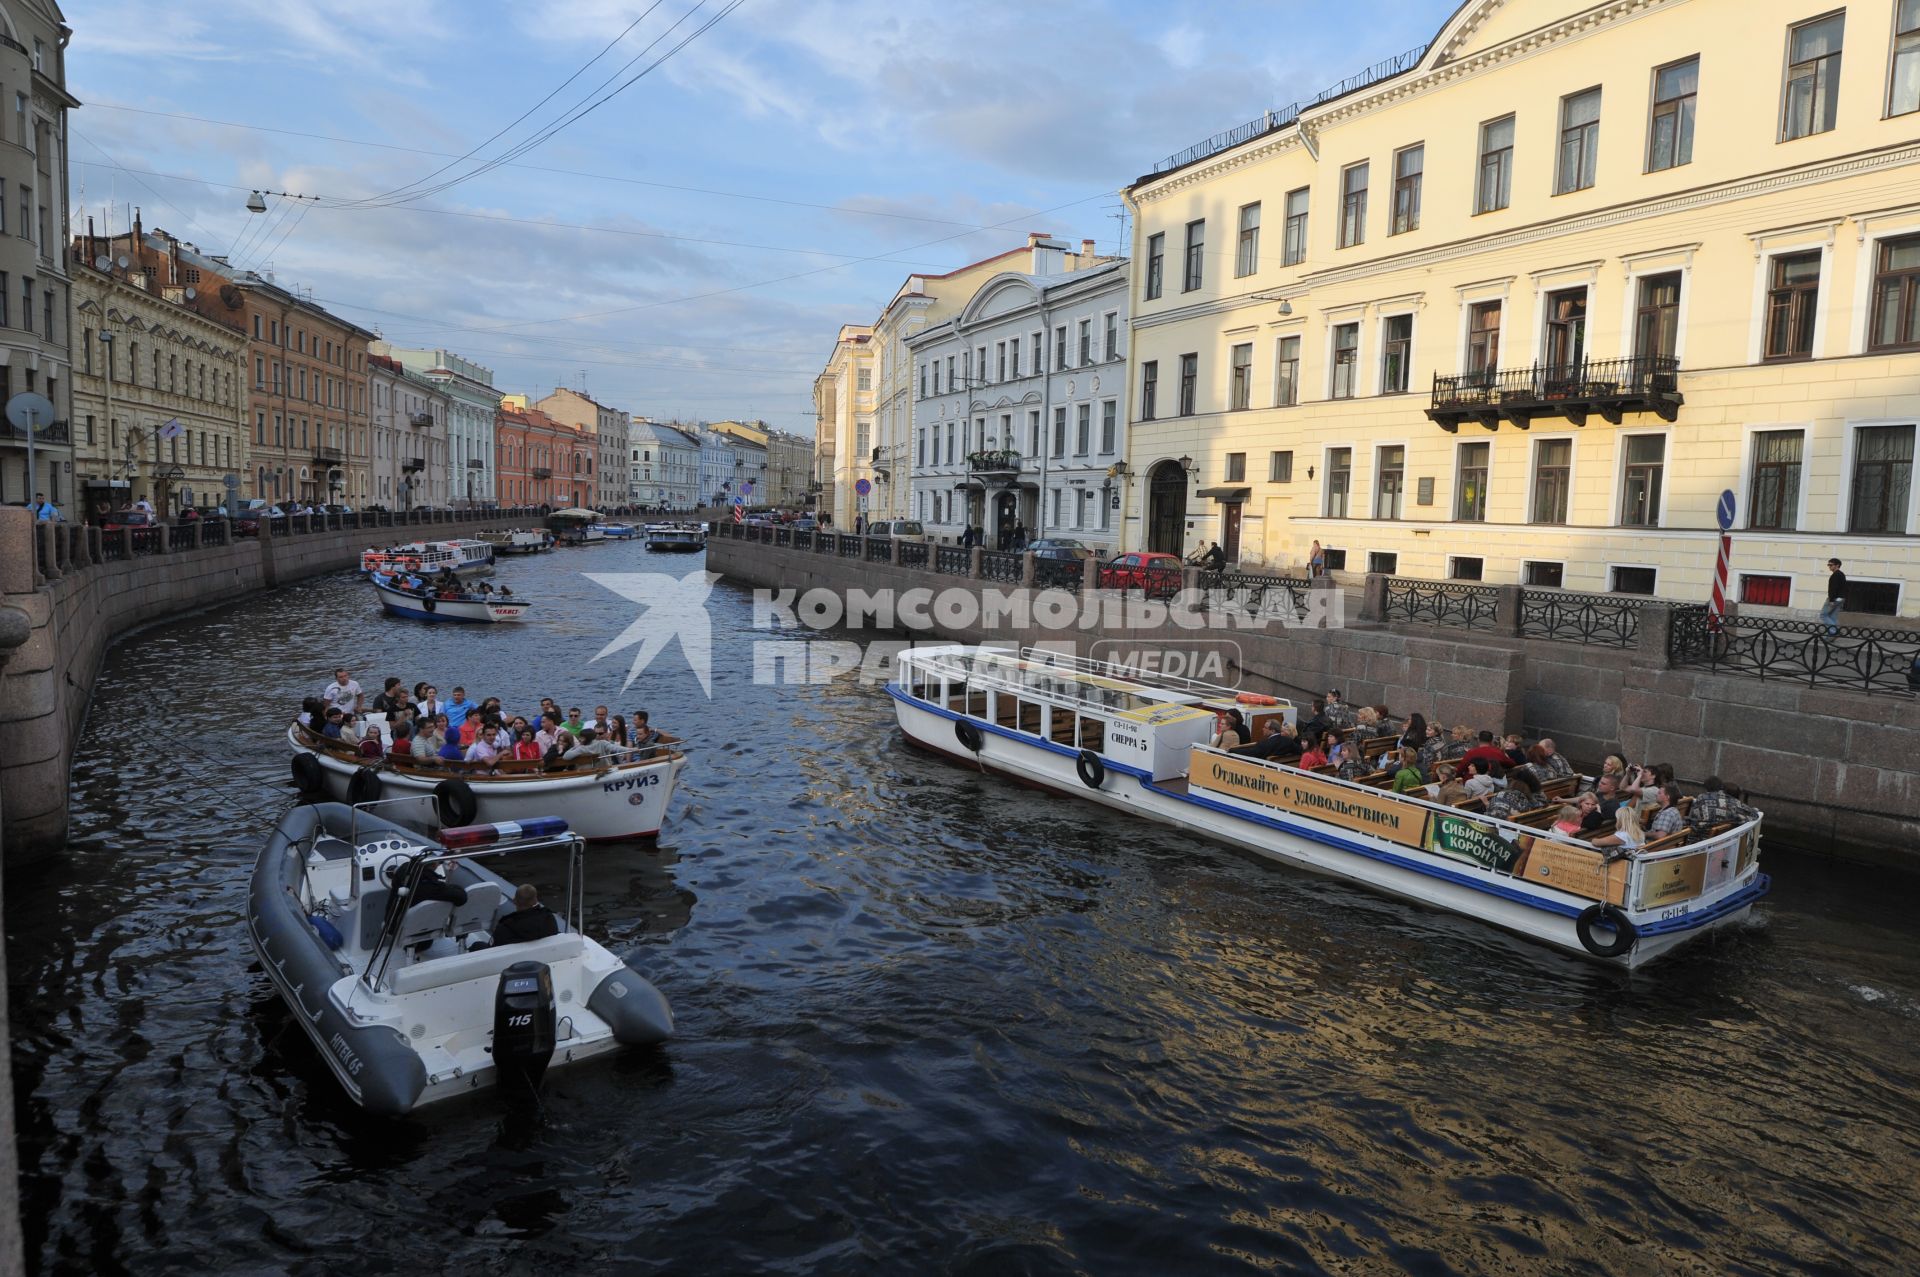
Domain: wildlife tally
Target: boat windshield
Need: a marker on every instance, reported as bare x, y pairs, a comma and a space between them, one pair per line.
1066, 679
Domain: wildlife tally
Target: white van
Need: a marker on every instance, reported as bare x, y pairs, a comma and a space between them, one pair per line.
898, 529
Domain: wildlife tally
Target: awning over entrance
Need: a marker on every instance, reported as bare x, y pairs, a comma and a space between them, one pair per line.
1226, 495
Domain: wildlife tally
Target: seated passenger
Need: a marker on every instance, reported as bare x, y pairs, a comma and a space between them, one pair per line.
1459, 745
1627, 833
1230, 730
525, 748
1521, 794
530, 920
370, 746
1568, 821
1486, 751
1484, 778
1453, 791
335, 720
1409, 778
1316, 752
1717, 805
644, 733
588, 747
1667, 818
1281, 742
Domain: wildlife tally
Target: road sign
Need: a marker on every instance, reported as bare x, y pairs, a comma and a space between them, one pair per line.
863, 487
863, 502
1725, 511
29, 412
232, 481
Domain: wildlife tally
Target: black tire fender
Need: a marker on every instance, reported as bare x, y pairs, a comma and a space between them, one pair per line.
968, 735
309, 776
363, 786
427, 603
1093, 771
454, 802
1625, 935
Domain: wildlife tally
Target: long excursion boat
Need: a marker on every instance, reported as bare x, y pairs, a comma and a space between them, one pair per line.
675, 538
426, 604
519, 540
1109, 735
577, 526
462, 556
623, 799
385, 946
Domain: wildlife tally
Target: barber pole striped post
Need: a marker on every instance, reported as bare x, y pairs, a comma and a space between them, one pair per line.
1717, 606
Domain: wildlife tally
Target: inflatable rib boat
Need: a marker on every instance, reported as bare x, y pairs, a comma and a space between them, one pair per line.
382, 943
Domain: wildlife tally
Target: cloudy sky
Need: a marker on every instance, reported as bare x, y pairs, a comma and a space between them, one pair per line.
689, 247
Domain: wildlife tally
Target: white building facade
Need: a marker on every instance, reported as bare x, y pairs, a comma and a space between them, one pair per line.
1020, 409
472, 404
717, 465
409, 425
665, 466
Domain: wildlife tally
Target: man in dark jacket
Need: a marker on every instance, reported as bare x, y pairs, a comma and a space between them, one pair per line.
530, 920
1836, 597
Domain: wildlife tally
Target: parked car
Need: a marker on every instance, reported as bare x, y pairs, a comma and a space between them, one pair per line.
145, 526
806, 523
898, 529
1061, 548
1155, 575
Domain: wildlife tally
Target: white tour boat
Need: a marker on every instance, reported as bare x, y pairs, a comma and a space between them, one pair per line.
622, 799
675, 538
519, 540
578, 526
380, 941
462, 556
1107, 734
425, 604
619, 531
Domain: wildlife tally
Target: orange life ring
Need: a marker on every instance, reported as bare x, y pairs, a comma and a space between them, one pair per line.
1255, 698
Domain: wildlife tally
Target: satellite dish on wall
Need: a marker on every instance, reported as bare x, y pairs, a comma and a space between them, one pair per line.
103, 262
29, 412
192, 293
122, 261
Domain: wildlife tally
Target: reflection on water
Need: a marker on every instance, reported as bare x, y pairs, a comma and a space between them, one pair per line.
927, 1020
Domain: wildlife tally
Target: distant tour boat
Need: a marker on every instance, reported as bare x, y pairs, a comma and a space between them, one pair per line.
619, 531
577, 527
1141, 744
464, 556
518, 541
427, 605
675, 538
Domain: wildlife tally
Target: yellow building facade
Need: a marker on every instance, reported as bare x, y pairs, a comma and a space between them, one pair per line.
843, 423
1520, 310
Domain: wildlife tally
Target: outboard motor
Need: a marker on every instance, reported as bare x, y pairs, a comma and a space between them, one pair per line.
523, 1026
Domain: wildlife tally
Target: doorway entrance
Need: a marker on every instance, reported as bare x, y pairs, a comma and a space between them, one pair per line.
1230, 531
1167, 508
1006, 507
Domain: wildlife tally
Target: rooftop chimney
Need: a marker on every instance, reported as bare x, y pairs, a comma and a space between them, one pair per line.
1049, 255
1086, 248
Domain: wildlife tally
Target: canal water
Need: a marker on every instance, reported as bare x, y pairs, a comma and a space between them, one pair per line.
928, 1021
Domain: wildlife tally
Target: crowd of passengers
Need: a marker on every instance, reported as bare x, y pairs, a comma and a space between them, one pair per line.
464, 735
1623, 806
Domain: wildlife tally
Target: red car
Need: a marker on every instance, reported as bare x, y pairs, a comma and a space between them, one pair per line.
1155, 575
146, 528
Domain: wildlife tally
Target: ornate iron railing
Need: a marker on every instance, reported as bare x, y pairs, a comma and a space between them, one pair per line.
913, 554
850, 546
1257, 593
993, 460
1059, 574
1644, 383
1470, 607
1000, 565
1868, 660
783, 536
879, 549
954, 560
213, 532
1601, 620
803, 538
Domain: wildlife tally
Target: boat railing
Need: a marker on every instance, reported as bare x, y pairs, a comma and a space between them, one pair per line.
1107, 669
1034, 682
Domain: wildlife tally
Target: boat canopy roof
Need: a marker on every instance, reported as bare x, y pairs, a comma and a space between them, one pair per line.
1058, 677
590, 516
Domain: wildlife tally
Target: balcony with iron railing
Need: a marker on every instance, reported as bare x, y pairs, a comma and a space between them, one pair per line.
1609, 388
327, 457
420, 419
413, 463
54, 434
541, 472
994, 463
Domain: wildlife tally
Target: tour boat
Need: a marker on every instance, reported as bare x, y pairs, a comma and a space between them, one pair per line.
577, 527
622, 799
463, 556
410, 1005
675, 538
1141, 744
518, 541
619, 531
425, 605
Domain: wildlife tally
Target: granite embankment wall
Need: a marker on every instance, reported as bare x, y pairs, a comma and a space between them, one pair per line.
67, 592
1835, 770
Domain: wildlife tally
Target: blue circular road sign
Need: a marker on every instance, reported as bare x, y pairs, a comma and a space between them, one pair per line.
1726, 510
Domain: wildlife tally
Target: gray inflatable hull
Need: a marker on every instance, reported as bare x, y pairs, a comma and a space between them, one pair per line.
373, 1062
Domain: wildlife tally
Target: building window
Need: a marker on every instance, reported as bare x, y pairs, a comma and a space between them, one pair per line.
1109, 426
1773, 501
1383, 562
1339, 481
1059, 432
1880, 598
1903, 88
1280, 467
1471, 505
1390, 490
1670, 135
1408, 166
1156, 265
1353, 205
1465, 569
1112, 341
1483, 340
1293, 247
1882, 479
1242, 391
923, 381
1286, 372
1812, 98
1086, 342
1396, 354
1236, 467
1645, 460
1149, 387
1346, 359
1189, 378
1656, 331
1013, 351
1579, 141
1896, 296
1545, 575
1766, 591
1060, 348
1196, 255
1495, 187
1633, 580
1793, 302
1566, 344
1336, 559
1552, 478
1246, 257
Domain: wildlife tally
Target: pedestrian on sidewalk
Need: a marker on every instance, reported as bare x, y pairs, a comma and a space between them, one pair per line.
1316, 562
1836, 596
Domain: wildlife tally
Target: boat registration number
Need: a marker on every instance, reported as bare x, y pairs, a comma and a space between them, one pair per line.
630, 782
1678, 911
